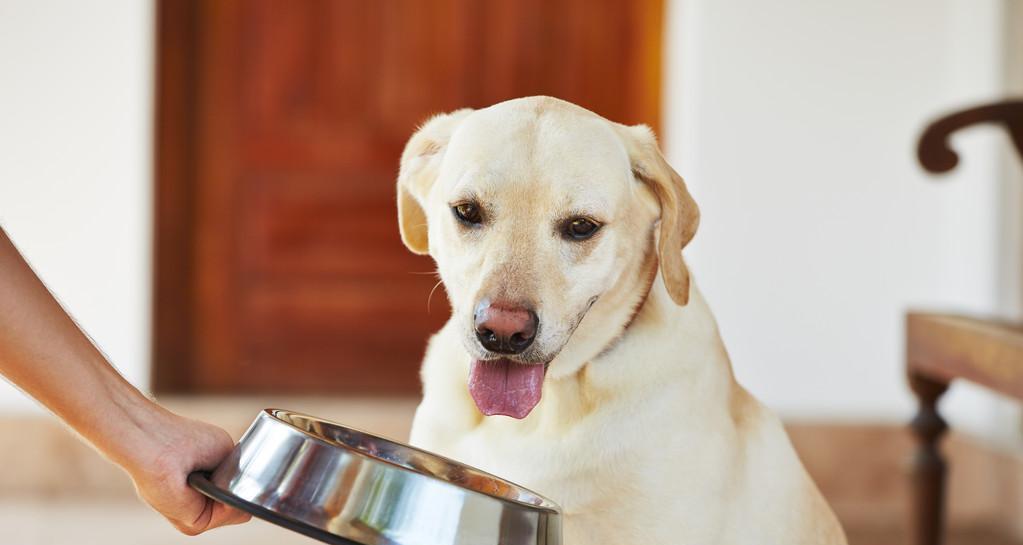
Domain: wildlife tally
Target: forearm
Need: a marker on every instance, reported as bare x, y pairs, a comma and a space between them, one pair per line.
44, 353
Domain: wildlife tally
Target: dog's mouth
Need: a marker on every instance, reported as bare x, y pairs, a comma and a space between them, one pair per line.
506, 387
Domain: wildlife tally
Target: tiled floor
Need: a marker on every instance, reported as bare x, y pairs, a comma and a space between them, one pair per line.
117, 523
120, 522
65, 494
959, 536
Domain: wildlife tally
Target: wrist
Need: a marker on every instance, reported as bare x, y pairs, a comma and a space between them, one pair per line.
137, 434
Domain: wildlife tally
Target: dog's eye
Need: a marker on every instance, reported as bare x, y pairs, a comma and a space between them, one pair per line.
580, 228
468, 213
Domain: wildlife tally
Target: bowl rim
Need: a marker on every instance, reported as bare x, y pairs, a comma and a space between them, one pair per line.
201, 482
548, 505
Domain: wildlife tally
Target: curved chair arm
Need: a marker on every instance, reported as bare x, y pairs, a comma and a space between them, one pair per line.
933, 150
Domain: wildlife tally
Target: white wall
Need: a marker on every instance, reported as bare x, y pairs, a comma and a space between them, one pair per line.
794, 122
75, 139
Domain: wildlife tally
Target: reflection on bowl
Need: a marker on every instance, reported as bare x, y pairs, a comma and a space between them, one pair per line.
351, 485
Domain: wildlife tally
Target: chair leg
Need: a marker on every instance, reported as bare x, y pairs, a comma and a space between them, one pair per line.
928, 466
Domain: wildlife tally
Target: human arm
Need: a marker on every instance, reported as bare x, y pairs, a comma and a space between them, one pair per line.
43, 352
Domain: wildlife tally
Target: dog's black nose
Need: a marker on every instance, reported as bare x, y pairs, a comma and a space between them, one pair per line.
505, 329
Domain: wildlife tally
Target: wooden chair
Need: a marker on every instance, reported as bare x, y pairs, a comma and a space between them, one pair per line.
941, 347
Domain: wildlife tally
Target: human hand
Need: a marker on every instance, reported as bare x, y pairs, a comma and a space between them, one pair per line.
160, 474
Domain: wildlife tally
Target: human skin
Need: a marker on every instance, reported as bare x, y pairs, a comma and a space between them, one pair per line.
45, 354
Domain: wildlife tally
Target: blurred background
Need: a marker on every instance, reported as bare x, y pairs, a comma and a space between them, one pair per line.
208, 188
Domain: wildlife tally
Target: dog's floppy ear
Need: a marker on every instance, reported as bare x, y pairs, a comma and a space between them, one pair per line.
420, 163
679, 213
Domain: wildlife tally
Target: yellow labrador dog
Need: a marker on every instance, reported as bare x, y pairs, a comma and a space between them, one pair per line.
580, 360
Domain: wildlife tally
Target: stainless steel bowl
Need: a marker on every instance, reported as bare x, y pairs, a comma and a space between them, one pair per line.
344, 486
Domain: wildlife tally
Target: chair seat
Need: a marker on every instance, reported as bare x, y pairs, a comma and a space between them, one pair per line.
984, 351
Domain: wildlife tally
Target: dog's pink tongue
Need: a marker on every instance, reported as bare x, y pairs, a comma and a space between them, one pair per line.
505, 387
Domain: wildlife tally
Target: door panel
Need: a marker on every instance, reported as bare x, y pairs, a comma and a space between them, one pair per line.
279, 127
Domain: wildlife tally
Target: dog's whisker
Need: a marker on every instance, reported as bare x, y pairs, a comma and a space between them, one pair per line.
431, 273
430, 297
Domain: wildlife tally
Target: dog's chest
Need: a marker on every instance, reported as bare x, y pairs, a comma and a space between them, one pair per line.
591, 475
579, 468
620, 476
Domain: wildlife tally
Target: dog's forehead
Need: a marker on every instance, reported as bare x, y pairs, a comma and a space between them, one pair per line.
524, 141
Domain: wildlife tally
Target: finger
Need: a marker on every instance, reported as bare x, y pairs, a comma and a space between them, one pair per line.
185, 529
224, 515
240, 516
202, 522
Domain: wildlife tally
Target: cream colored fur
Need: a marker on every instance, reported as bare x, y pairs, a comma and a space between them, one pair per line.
642, 434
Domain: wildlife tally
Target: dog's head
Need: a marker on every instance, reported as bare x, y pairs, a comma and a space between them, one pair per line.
536, 212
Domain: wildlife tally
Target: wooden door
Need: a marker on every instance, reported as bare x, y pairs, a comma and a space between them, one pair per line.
279, 127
